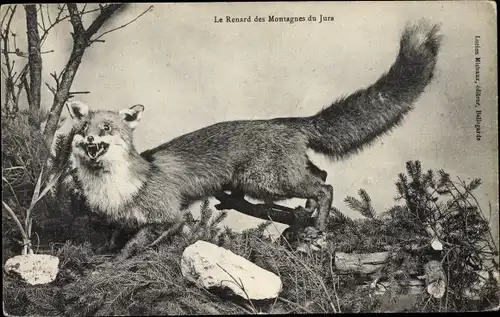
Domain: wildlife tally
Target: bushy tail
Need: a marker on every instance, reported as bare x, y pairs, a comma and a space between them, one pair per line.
352, 122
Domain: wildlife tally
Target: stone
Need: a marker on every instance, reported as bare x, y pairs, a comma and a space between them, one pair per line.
211, 266
436, 244
34, 268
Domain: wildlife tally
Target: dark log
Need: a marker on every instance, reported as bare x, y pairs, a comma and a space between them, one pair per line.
289, 216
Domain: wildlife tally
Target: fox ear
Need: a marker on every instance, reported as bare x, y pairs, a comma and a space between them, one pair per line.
77, 110
132, 115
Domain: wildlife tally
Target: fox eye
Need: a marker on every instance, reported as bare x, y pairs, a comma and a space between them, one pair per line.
106, 127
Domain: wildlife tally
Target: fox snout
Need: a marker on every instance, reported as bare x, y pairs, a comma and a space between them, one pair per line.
94, 150
93, 146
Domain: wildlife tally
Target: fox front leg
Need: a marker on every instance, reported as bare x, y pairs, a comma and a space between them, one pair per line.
148, 236
140, 240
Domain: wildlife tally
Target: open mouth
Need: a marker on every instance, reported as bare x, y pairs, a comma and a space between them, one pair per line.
94, 150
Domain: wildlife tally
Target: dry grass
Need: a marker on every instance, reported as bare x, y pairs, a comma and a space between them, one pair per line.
151, 282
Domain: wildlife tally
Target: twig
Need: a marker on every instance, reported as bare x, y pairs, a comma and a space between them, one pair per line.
48, 13
299, 306
83, 10
9, 82
106, 12
80, 43
240, 285
79, 92
122, 26
12, 10
321, 284
52, 24
334, 286
430, 297
480, 211
5, 15
40, 10
51, 89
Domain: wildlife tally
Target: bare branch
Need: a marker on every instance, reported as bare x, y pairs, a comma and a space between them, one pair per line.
121, 26
83, 10
58, 19
20, 88
52, 89
106, 12
79, 93
80, 43
56, 79
9, 75
48, 13
7, 13
40, 9
23, 71
76, 20
34, 56
281, 214
27, 88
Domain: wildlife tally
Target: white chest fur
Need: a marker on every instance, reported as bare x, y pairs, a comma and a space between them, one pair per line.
109, 191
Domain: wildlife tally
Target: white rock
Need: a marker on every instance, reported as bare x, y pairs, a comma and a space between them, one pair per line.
211, 266
436, 244
34, 268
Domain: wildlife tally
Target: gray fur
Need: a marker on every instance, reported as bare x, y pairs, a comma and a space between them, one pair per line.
266, 159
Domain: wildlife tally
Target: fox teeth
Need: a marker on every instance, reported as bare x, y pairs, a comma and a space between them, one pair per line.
91, 151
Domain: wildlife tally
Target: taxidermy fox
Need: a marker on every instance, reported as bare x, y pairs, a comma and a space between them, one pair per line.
263, 159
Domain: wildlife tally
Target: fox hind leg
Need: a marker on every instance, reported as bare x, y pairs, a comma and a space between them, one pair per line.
318, 195
305, 181
325, 198
312, 204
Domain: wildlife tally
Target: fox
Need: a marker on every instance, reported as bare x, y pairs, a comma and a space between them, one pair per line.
263, 159
60, 164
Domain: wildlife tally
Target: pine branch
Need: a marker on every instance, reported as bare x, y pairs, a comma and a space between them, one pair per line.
339, 217
364, 207
205, 214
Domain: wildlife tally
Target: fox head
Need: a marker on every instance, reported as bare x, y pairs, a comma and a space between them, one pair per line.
102, 137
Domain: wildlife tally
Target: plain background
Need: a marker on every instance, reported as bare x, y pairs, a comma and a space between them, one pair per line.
190, 72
